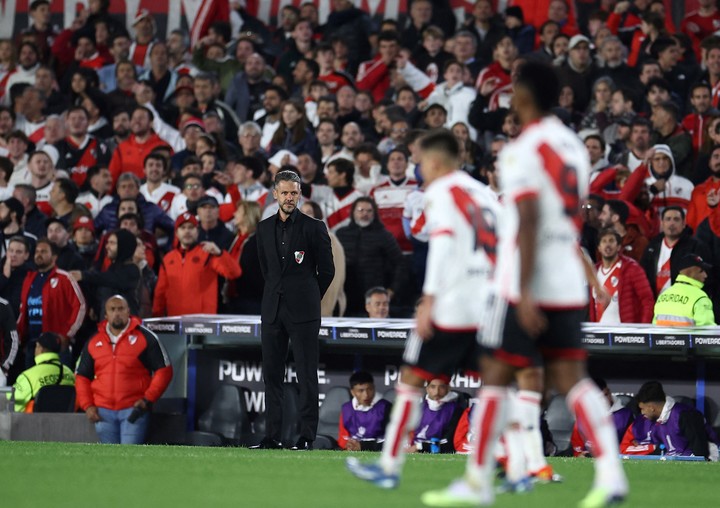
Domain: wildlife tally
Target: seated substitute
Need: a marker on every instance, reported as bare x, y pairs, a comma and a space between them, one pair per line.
685, 303
47, 371
363, 419
681, 428
440, 414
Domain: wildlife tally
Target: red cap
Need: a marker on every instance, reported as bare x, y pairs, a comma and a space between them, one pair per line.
193, 120
84, 222
185, 217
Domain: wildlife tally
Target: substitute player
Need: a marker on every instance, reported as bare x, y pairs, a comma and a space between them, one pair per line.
461, 216
537, 314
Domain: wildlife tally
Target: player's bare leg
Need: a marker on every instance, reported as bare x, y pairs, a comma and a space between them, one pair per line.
490, 420
404, 418
592, 413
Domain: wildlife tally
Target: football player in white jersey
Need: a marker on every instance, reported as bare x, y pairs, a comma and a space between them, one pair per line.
537, 311
461, 216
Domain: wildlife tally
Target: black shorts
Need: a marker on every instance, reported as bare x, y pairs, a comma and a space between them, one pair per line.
505, 339
443, 355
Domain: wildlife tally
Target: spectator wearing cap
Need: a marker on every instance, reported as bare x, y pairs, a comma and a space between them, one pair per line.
11, 220
47, 370
191, 269
131, 153
80, 151
122, 277
122, 371
211, 230
522, 34
68, 258
190, 130
84, 241
435, 116
579, 71
51, 301
685, 303
144, 27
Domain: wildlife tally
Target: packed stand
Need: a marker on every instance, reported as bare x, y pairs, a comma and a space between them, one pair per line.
125, 152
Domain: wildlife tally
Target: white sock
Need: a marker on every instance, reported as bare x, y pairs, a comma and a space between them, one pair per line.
403, 419
489, 420
591, 410
527, 408
516, 468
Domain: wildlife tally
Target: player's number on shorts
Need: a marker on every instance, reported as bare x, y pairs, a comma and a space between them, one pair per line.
481, 219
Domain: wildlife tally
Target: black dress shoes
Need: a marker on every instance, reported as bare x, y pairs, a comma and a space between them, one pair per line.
302, 445
267, 444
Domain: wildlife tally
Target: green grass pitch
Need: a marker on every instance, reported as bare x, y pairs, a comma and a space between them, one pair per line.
78, 475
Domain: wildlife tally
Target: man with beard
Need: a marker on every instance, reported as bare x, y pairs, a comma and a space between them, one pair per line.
51, 301
84, 241
246, 89
95, 191
121, 129
28, 59
663, 254
80, 151
122, 349
123, 276
191, 269
630, 297
68, 258
297, 264
11, 219
131, 153
155, 189
614, 215
269, 120
638, 145
705, 196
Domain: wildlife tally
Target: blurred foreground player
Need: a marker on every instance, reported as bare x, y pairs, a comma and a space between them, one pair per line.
461, 216
537, 313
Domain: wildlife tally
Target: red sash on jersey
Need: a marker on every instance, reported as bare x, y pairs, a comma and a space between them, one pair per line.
38, 135
417, 227
611, 285
138, 56
87, 160
716, 94
663, 276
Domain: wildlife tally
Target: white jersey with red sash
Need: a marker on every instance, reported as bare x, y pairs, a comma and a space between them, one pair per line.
338, 207
43, 199
610, 280
548, 163
662, 281
162, 196
415, 211
390, 198
256, 192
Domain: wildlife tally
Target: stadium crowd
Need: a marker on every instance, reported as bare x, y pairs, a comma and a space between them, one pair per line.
138, 165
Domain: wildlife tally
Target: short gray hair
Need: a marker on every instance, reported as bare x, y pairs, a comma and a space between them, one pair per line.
377, 290
250, 126
287, 176
130, 176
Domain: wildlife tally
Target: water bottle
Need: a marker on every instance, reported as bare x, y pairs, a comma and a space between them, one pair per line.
435, 445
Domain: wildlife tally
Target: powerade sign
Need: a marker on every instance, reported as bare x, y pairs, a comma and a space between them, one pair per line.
631, 340
163, 327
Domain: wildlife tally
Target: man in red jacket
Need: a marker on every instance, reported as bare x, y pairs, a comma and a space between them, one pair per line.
374, 75
50, 301
130, 154
191, 270
122, 371
631, 299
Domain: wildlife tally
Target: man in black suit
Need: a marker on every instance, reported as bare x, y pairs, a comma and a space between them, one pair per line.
297, 264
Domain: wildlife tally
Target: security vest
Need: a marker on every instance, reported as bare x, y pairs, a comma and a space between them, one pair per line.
47, 371
684, 304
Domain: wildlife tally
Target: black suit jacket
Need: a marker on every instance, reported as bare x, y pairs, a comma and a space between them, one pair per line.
307, 273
